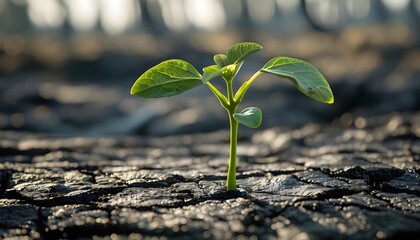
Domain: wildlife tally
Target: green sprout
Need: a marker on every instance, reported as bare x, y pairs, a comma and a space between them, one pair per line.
175, 76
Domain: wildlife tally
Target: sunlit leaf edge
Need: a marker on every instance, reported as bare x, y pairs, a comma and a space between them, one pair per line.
193, 81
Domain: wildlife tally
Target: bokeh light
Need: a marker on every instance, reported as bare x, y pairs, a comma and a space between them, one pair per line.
67, 65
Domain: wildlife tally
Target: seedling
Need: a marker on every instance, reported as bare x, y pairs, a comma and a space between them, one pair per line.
175, 76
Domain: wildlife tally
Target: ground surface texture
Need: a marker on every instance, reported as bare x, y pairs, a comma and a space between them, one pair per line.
355, 179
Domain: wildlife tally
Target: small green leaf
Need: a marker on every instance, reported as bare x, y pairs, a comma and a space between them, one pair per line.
227, 72
168, 78
210, 72
250, 117
230, 71
238, 52
221, 60
306, 78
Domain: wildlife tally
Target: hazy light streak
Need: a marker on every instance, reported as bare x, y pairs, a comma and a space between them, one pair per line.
173, 14
205, 14
83, 15
325, 12
233, 9
261, 11
396, 5
117, 17
358, 8
46, 13
417, 4
288, 6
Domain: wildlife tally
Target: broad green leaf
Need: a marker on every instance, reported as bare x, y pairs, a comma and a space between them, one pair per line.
250, 117
306, 78
211, 72
238, 52
221, 60
166, 79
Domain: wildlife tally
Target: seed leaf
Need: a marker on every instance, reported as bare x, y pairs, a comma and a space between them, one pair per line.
238, 52
166, 79
250, 117
221, 60
306, 78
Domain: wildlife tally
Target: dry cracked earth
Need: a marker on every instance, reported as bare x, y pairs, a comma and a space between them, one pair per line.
315, 182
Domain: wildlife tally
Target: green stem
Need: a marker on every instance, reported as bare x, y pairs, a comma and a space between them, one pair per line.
231, 177
222, 99
230, 105
242, 90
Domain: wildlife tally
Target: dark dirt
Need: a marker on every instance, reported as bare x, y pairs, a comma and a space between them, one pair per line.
316, 182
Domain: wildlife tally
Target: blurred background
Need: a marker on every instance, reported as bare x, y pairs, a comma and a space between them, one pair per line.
67, 66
